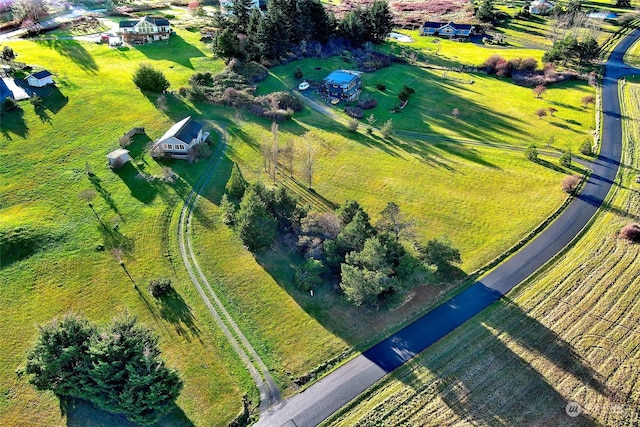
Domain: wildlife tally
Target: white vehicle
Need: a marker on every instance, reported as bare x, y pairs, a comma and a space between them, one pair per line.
303, 86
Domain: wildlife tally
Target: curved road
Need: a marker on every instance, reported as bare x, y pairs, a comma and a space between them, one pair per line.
338, 388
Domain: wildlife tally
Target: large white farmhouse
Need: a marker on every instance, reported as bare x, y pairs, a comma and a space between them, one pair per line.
145, 30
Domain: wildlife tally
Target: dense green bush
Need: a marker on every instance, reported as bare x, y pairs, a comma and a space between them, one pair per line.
309, 274
160, 287
117, 368
236, 184
586, 148
148, 78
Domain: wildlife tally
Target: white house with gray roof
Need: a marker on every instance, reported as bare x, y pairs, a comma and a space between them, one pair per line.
180, 139
145, 30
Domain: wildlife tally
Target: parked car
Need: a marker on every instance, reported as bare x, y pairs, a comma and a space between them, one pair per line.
304, 85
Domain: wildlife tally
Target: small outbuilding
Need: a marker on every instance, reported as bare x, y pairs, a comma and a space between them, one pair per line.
40, 79
118, 158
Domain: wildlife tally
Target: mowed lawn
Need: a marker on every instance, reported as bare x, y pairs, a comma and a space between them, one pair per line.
483, 199
491, 109
569, 334
42, 172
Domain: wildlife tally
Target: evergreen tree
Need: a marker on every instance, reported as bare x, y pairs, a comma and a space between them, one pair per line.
255, 222
148, 78
348, 210
236, 183
285, 207
59, 358
253, 31
439, 252
324, 24
118, 369
272, 36
352, 27
485, 11
226, 44
227, 211
588, 50
382, 21
241, 10
127, 375
367, 273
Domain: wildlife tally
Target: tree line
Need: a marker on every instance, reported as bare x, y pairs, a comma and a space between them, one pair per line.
248, 34
367, 262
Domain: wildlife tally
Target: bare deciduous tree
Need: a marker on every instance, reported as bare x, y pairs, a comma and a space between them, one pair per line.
265, 150
308, 166
539, 90
289, 154
275, 149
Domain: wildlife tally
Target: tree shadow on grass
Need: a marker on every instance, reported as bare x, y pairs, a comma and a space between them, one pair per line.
176, 49
13, 123
106, 196
113, 239
308, 196
72, 50
138, 145
482, 379
82, 413
139, 184
176, 311
42, 114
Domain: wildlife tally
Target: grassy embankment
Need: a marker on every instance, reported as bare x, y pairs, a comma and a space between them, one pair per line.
45, 155
567, 334
633, 55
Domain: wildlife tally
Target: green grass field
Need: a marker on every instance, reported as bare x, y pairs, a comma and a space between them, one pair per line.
567, 334
45, 155
480, 197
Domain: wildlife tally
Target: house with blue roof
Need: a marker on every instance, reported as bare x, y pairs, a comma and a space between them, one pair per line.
180, 140
344, 85
444, 29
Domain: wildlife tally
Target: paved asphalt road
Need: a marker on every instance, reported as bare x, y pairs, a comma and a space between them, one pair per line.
335, 390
